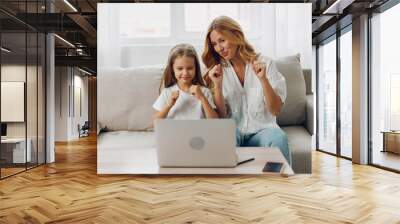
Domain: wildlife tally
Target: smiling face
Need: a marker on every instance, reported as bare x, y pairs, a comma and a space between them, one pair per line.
184, 70
222, 45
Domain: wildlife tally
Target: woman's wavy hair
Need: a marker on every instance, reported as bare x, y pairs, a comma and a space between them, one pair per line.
180, 50
232, 31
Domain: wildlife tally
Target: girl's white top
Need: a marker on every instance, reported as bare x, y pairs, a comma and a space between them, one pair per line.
186, 106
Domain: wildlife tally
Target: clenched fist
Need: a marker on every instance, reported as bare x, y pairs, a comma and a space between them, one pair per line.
260, 68
173, 98
216, 75
195, 90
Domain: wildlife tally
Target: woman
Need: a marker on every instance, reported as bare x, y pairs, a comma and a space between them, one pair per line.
247, 86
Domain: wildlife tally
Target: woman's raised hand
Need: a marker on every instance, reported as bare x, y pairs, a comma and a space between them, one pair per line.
195, 90
173, 98
216, 75
260, 68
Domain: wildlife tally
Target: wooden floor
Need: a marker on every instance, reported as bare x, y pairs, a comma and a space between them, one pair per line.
387, 159
70, 191
10, 171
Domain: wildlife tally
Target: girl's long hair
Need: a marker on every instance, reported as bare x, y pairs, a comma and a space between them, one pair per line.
180, 50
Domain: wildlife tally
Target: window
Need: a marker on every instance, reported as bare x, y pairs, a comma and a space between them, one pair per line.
145, 20
394, 101
22, 65
346, 94
170, 22
385, 84
334, 106
327, 97
199, 16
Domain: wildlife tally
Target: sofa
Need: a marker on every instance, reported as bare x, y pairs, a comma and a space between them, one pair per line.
125, 97
297, 115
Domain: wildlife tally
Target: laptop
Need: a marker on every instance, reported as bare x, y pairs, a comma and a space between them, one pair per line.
196, 143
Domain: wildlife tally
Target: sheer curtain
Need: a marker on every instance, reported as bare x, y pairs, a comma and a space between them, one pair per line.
286, 30
275, 30
109, 50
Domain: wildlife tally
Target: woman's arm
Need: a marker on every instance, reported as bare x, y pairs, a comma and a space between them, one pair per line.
219, 101
216, 76
208, 110
274, 102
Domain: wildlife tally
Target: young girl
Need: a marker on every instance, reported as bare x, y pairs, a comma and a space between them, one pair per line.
184, 95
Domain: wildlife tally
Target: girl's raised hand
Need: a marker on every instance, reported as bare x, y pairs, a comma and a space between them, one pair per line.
195, 90
173, 98
260, 68
216, 74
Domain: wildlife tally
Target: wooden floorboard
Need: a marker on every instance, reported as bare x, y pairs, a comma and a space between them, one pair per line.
70, 191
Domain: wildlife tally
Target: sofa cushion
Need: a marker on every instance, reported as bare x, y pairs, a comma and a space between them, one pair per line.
299, 141
293, 111
308, 79
290, 58
125, 97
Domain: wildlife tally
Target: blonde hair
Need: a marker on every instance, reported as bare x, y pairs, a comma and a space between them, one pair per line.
180, 50
232, 31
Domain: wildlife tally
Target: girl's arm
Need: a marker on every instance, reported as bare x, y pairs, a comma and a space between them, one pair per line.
164, 111
208, 110
196, 91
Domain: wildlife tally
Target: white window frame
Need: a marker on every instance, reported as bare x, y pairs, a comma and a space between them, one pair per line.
391, 112
178, 33
149, 40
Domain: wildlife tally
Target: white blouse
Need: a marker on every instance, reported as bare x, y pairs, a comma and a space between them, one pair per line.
247, 104
186, 106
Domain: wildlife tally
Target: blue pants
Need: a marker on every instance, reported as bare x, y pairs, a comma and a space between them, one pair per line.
268, 137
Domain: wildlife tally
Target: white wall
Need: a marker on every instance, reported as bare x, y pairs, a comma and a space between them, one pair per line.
80, 83
33, 126
67, 120
61, 83
283, 29
17, 73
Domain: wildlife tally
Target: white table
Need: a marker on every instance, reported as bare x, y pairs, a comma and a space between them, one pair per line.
18, 150
144, 161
